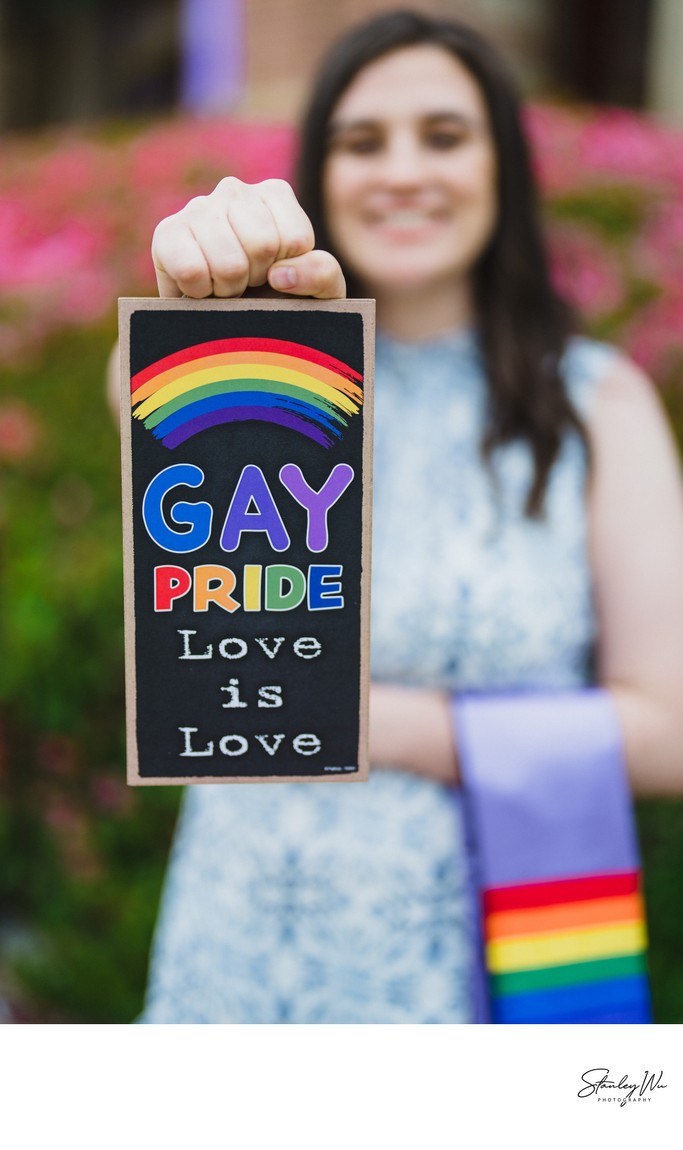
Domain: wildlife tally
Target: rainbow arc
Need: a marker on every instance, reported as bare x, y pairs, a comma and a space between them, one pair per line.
237, 380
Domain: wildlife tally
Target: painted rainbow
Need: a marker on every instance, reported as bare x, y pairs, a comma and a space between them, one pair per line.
235, 380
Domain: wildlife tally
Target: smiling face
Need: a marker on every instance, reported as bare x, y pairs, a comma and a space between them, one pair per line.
409, 182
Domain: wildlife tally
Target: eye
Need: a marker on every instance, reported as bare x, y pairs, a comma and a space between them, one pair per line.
445, 139
356, 143
364, 145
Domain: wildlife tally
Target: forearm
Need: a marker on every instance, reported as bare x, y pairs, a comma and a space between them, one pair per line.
411, 729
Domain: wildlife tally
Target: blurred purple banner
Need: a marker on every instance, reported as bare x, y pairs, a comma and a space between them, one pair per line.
213, 51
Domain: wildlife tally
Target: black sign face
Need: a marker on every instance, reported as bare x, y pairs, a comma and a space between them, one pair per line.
246, 444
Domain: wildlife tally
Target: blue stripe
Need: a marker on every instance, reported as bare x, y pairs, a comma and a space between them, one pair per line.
249, 399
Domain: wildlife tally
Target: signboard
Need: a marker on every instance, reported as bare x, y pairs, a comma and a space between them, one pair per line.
246, 432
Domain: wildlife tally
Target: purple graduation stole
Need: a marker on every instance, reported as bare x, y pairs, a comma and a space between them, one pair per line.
554, 860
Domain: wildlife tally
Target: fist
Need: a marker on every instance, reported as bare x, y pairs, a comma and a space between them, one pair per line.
243, 236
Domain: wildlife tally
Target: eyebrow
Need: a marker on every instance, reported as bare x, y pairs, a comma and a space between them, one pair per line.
462, 119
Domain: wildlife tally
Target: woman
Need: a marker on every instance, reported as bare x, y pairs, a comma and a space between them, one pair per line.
530, 472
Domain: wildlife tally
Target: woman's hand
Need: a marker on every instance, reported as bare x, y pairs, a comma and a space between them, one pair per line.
411, 730
243, 236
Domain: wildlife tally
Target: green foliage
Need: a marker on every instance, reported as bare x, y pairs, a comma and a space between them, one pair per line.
82, 855
616, 211
660, 826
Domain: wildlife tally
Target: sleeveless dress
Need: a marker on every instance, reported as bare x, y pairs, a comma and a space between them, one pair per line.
344, 904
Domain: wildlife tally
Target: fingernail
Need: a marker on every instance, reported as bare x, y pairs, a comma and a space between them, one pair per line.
283, 277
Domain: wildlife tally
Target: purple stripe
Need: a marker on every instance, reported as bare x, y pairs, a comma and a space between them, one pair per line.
240, 415
479, 982
547, 786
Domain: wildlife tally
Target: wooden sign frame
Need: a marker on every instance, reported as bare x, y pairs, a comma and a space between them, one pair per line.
246, 534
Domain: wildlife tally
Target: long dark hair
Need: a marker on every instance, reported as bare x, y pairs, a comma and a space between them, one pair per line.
523, 323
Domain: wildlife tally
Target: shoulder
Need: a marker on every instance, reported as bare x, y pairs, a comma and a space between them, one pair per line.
585, 356
584, 365
635, 490
627, 416
612, 394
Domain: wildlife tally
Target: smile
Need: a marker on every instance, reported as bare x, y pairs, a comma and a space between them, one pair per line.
407, 219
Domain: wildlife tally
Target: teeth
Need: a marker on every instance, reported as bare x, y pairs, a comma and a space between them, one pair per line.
405, 218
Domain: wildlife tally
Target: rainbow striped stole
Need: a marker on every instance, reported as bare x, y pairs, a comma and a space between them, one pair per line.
569, 950
553, 860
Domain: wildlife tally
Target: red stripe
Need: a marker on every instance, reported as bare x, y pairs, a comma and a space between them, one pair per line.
559, 891
217, 346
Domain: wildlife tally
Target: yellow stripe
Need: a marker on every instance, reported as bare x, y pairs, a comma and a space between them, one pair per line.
254, 371
560, 947
335, 378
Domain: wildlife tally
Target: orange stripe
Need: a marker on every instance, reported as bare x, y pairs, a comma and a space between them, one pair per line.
564, 916
273, 358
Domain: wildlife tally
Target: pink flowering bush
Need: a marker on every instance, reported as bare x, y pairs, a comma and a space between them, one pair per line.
77, 214
613, 191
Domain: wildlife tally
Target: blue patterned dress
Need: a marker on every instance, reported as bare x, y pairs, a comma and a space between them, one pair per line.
315, 904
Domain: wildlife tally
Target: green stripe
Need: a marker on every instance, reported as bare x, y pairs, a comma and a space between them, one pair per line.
519, 981
225, 386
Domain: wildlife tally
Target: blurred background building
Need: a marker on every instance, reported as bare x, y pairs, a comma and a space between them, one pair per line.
65, 61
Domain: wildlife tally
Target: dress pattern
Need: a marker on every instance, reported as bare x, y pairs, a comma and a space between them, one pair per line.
307, 903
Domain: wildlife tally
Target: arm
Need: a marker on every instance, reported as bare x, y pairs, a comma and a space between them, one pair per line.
636, 545
411, 729
635, 510
113, 383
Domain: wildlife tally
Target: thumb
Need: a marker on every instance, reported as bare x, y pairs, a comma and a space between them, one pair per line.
316, 274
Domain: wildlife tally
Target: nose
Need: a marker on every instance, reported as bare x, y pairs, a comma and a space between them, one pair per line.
402, 163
